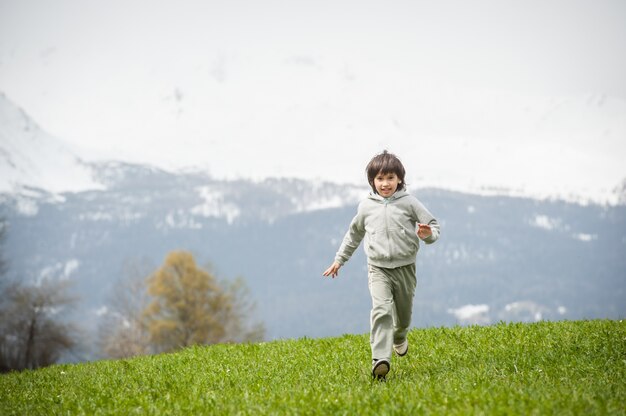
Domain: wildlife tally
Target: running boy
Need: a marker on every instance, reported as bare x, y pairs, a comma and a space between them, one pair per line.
392, 222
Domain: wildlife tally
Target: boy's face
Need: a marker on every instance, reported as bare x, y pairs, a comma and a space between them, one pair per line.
386, 184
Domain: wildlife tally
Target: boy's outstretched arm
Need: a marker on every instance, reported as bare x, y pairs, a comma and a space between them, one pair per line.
333, 270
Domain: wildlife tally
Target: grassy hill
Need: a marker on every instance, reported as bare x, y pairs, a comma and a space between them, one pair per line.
544, 368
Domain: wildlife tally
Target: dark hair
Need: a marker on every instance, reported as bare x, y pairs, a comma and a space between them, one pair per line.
385, 162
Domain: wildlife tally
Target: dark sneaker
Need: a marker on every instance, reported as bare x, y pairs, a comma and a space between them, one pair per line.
380, 368
401, 349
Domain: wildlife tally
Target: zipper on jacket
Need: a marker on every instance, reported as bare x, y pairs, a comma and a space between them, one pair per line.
387, 231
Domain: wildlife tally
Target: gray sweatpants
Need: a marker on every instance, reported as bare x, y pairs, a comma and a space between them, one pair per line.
392, 293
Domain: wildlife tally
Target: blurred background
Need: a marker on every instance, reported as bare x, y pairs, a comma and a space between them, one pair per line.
239, 131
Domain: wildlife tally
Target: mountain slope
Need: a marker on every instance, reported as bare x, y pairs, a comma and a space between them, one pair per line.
511, 258
490, 142
499, 258
29, 157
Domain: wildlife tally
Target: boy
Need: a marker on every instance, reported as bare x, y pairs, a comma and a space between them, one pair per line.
392, 223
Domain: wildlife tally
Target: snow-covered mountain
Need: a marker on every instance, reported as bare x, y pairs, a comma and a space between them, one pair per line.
530, 146
30, 157
500, 256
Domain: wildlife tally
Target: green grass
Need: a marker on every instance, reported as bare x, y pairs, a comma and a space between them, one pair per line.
548, 368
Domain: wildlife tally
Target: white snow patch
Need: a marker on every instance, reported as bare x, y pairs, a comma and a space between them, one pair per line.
50, 271
179, 219
122, 216
103, 310
526, 311
70, 267
96, 216
332, 202
26, 201
545, 222
41, 195
321, 199
586, 237
128, 217
26, 207
215, 206
468, 312
59, 270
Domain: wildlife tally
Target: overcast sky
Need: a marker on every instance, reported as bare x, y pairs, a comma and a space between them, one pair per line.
477, 93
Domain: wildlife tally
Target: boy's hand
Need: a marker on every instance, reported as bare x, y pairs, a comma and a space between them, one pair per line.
424, 231
333, 270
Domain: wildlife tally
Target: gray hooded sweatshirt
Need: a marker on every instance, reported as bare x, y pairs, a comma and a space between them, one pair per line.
389, 226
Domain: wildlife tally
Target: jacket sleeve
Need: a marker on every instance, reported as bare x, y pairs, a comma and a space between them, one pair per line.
352, 239
423, 216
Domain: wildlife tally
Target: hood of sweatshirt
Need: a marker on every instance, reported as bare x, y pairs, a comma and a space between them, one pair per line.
382, 200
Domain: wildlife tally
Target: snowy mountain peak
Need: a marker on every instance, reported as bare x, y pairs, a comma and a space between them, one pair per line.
10, 114
545, 166
29, 157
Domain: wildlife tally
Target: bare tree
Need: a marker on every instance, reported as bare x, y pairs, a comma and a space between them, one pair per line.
32, 331
238, 325
122, 331
3, 263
